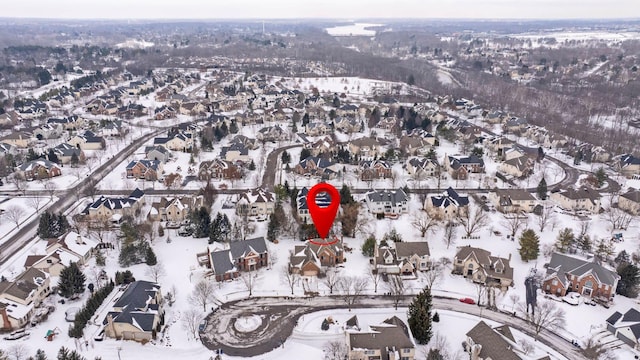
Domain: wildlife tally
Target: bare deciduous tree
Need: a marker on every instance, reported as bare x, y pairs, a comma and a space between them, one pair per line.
547, 316
481, 291
14, 213
190, 321
514, 300
50, 187
335, 350
449, 233
546, 217
396, 289
423, 222
249, 281
594, 349
19, 182
526, 346
156, 271
90, 189
375, 277
35, 202
18, 352
513, 223
433, 275
290, 278
202, 294
472, 220
351, 288
618, 218
331, 279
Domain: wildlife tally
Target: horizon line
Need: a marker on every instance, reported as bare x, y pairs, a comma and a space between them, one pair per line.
337, 19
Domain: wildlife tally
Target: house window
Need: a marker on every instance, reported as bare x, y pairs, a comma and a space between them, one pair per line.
470, 266
406, 351
369, 352
554, 282
589, 284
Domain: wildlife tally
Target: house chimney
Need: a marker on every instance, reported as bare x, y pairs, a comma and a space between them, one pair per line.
509, 258
79, 240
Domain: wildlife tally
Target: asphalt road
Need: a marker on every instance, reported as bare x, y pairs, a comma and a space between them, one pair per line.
66, 198
281, 314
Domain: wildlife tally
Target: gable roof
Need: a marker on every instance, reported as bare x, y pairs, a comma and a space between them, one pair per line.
561, 264
394, 196
449, 198
223, 261
493, 344
407, 249
390, 336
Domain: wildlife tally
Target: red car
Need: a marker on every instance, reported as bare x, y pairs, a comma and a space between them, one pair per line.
468, 301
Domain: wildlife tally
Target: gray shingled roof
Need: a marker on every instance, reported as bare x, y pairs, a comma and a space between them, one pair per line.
494, 346
449, 198
561, 265
395, 196
388, 337
406, 249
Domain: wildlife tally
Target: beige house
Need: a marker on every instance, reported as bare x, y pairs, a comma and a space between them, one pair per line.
113, 209
582, 199
481, 267
630, 201
87, 141
137, 314
255, 202
512, 200
389, 340
518, 167
18, 298
366, 148
486, 343
447, 204
174, 209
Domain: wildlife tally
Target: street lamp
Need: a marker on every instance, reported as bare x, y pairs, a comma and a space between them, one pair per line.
119, 349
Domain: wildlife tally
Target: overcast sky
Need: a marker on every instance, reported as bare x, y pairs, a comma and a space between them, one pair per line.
269, 9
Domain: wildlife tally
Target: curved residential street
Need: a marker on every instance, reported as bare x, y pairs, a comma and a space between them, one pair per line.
280, 315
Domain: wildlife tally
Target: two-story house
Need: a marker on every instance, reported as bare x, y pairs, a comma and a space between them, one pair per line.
113, 209
512, 200
582, 199
626, 327
374, 169
38, 169
446, 205
390, 340
256, 202
236, 257
144, 169
311, 258
137, 315
422, 168
482, 267
19, 298
236, 152
460, 167
322, 199
630, 201
219, 169
390, 203
174, 209
567, 273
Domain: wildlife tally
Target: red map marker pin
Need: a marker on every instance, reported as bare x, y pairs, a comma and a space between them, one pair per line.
323, 216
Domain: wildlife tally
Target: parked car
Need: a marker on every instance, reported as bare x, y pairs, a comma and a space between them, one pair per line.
99, 336
468, 301
185, 231
572, 298
18, 334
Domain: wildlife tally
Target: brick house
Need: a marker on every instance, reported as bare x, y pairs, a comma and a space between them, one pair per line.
482, 267
219, 169
38, 169
374, 169
237, 257
460, 167
309, 259
144, 169
570, 274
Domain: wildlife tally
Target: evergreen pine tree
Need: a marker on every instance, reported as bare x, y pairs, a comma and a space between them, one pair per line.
565, 240
63, 353
629, 282
542, 189
100, 259
150, 257
434, 354
369, 246
529, 245
601, 177
74, 159
272, 228
252, 165
436, 317
345, 195
40, 355
71, 281
419, 317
